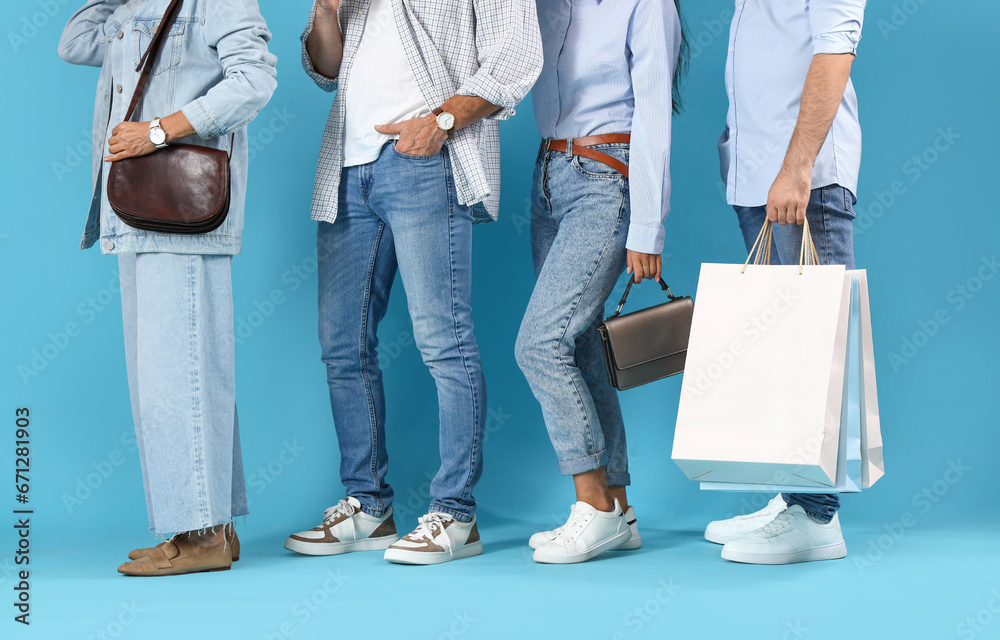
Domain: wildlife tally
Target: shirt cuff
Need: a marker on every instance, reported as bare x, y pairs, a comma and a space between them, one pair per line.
645, 239
483, 86
837, 42
201, 120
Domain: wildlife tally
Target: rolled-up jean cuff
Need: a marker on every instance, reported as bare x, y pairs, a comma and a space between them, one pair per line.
582, 465
454, 513
619, 479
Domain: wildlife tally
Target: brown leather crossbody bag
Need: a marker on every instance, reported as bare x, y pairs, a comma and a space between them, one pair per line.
182, 188
648, 344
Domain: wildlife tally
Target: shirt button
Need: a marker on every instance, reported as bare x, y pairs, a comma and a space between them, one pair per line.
120, 35
109, 245
119, 89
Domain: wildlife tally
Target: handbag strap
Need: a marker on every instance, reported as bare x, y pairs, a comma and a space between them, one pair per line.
149, 57
760, 252
628, 287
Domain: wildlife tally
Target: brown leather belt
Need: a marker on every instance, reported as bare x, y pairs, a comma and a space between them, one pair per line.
581, 147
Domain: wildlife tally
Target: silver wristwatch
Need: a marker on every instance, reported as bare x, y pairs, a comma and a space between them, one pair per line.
157, 135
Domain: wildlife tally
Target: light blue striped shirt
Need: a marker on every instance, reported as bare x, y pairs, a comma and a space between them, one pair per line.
771, 45
608, 69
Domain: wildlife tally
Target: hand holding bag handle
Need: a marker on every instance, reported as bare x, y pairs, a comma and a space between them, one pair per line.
760, 252
179, 189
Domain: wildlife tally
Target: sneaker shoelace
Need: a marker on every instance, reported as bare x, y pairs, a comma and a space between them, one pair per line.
430, 525
342, 507
569, 532
780, 524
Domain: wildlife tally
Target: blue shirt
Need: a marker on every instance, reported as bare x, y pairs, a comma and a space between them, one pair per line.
608, 68
771, 45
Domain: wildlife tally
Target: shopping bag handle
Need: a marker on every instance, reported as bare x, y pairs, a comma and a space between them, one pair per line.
761, 250
628, 287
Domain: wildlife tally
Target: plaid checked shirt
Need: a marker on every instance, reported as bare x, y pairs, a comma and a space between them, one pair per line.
485, 48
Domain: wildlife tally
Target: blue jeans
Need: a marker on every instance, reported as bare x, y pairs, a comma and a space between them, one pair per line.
579, 223
401, 212
831, 216
177, 312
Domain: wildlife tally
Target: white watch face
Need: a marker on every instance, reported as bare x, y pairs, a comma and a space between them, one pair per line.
157, 136
445, 121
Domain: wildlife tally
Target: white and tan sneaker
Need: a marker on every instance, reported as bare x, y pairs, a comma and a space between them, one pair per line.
345, 528
438, 538
587, 533
722, 531
633, 543
791, 537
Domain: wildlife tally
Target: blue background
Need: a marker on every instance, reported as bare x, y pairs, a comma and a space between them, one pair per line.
927, 86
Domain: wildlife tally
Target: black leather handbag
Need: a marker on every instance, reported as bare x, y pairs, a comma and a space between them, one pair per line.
649, 344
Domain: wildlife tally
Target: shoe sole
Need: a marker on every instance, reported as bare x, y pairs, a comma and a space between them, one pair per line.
583, 556
633, 543
337, 548
834, 551
405, 556
181, 573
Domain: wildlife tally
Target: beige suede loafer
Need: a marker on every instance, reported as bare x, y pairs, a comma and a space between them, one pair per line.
234, 541
180, 556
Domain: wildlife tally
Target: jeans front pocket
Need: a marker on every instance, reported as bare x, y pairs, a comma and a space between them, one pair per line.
597, 170
411, 156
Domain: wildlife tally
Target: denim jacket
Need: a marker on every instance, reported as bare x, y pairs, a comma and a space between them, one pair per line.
214, 66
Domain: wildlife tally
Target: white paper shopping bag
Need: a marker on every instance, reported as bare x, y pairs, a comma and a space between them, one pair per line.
849, 458
763, 385
873, 466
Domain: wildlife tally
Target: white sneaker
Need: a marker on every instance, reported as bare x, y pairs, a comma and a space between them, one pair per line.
791, 537
345, 527
722, 531
538, 539
438, 538
587, 533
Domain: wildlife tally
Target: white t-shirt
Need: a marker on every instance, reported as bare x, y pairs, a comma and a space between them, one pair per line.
383, 89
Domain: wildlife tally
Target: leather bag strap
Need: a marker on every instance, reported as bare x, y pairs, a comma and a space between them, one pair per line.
149, 57
628, 287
